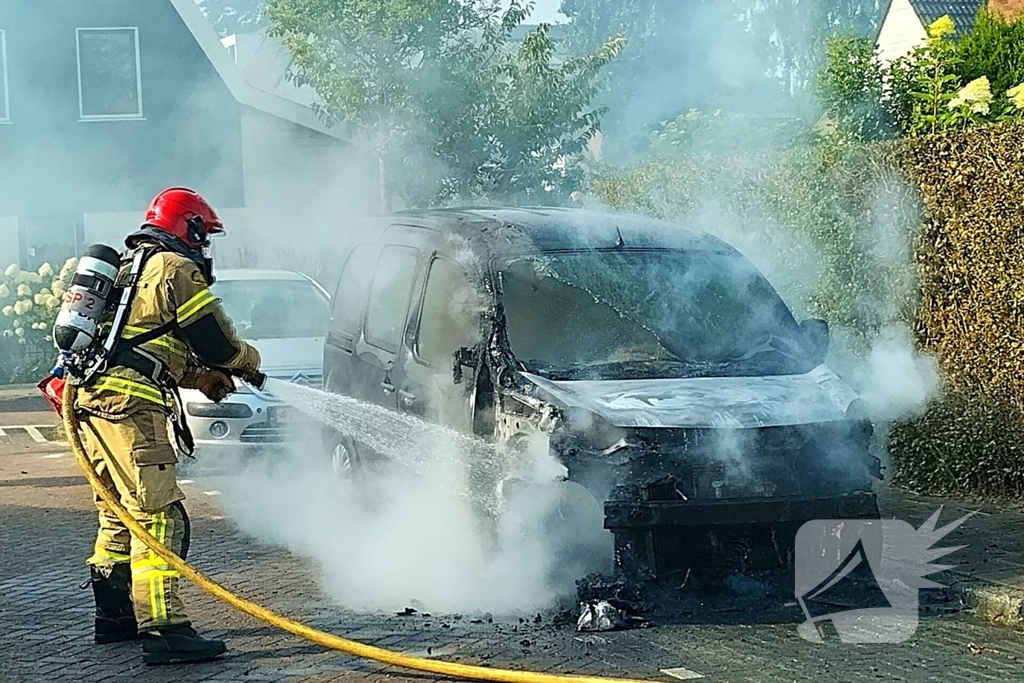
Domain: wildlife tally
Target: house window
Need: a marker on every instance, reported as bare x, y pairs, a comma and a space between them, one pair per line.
109, 74
5, 92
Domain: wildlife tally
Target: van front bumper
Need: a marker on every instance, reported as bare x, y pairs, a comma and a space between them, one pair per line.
664, 538
743, 511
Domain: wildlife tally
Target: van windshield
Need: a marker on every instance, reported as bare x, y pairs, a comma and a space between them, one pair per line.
646, 314
274, 308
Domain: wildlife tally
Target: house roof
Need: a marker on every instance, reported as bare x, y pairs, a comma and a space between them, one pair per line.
246, 92
266, 63
962, 12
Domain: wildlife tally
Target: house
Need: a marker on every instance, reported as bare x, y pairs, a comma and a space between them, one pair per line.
104, 103
905, 23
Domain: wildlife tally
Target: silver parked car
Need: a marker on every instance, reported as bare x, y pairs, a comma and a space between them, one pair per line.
284, 315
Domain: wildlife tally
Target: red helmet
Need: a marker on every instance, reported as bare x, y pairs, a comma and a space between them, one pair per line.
185, 214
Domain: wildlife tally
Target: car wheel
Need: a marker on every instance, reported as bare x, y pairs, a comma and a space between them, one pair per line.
345, 462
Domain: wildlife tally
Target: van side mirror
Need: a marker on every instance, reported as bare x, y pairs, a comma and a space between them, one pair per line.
816, 333
464, 357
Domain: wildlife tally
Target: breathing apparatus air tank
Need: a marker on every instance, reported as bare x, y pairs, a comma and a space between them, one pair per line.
83, 305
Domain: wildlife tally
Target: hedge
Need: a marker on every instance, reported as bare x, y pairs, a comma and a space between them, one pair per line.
971, 268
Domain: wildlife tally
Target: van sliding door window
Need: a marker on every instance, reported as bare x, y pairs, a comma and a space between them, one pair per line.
389, 297
451, 314
350, 296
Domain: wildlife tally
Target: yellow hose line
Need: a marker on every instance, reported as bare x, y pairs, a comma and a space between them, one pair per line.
478, 673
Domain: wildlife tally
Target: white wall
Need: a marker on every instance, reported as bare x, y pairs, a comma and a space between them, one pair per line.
302, 188
9, 248
901, 32
112, 228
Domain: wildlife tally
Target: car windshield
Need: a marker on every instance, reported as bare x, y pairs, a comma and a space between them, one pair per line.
274, 309
639, 314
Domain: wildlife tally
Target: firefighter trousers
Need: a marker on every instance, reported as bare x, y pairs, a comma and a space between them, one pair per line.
135, 457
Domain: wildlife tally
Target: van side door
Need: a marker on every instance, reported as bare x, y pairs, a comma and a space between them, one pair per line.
384, 324
449, 316
341, 371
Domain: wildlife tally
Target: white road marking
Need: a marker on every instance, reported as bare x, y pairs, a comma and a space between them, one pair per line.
53, 456
212, 493
682, 674
34, 433
186, 481
31, 430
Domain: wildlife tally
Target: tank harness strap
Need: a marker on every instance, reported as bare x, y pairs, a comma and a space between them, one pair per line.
120, 352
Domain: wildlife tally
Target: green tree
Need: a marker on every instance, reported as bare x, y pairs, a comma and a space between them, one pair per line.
852, 88
449, 105
945, 83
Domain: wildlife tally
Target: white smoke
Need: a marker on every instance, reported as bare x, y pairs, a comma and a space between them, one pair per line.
412, 535
415, 534
895, 380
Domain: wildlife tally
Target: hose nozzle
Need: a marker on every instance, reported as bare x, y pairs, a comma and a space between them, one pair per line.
257, 380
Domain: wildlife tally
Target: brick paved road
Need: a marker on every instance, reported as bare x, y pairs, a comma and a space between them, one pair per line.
46, 527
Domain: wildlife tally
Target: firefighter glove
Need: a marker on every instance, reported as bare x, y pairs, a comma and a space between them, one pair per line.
215, 385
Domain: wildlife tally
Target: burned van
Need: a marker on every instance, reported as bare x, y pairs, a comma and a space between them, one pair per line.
656, 363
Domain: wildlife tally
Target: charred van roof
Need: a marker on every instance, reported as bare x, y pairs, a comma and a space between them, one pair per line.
503, 230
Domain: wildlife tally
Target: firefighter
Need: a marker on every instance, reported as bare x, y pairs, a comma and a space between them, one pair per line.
132, 426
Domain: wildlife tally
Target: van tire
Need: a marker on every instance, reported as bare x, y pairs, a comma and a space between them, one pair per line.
344, 456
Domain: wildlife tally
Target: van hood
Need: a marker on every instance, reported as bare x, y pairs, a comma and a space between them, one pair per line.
708, 402
285, 358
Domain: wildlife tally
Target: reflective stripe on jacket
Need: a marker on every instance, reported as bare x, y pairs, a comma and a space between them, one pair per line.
171, 288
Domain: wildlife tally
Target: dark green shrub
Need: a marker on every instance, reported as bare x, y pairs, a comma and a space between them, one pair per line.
993, 48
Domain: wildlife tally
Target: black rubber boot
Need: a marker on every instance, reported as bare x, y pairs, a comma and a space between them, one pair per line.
115, 618
179, 644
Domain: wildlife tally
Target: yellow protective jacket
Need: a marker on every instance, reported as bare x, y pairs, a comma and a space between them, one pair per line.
171, 288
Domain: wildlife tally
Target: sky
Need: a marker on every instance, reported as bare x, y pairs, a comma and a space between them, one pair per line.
547, 12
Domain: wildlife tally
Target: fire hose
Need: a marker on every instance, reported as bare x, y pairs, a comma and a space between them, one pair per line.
328, 640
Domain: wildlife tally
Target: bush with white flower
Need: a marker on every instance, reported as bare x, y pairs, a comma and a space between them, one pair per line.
29, 301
